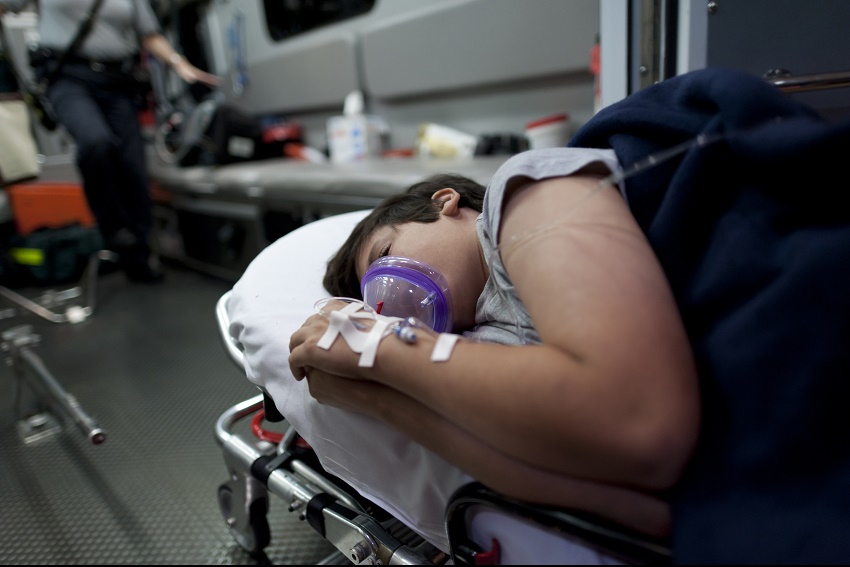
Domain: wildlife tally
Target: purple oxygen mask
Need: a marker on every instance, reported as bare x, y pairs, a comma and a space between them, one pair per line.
402, 287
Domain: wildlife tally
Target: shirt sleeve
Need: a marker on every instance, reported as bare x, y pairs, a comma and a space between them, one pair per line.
146, 21
537, 165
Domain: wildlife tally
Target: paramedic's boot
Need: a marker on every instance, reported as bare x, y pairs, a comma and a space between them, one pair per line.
135, 257
144, 271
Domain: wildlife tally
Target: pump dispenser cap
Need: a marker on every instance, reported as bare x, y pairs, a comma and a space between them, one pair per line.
353, 103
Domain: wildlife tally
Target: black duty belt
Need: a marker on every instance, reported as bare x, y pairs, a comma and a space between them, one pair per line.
98, 65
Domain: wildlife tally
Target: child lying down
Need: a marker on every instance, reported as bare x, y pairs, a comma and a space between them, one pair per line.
595, 308
454, 203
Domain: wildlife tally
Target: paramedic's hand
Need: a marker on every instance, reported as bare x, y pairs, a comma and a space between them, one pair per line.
161, 48
192, 74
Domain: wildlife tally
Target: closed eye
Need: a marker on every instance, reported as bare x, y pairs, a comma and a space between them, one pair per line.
385, 251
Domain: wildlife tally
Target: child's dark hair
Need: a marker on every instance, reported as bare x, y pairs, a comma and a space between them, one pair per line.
414, 205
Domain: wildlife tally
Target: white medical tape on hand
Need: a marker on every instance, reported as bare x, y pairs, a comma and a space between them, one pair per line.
380, 329
443, 347
342, 322
365, 343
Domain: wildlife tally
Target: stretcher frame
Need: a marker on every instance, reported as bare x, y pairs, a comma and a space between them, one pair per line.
361, 532
30, 371
357, 529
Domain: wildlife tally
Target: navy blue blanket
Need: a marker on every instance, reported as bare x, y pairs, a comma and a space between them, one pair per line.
754, 235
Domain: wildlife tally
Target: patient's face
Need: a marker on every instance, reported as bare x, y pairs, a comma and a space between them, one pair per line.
449, 245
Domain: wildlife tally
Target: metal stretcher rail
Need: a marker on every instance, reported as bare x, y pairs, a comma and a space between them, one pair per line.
73, 313
30, 369
16, 342
357, 536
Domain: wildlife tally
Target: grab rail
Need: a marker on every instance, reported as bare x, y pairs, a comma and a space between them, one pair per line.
785, 81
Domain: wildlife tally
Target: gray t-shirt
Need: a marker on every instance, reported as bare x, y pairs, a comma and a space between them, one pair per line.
118, 26
500, 315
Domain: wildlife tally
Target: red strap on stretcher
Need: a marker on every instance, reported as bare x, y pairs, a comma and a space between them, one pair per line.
492, 557
271, 436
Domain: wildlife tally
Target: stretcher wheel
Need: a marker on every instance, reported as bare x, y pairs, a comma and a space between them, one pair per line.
249, 526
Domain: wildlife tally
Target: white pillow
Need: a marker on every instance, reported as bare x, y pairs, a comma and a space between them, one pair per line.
272, 299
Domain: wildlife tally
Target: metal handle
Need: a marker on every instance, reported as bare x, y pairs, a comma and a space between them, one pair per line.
785, 81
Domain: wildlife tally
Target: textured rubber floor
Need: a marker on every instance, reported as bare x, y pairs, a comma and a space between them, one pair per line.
149, 367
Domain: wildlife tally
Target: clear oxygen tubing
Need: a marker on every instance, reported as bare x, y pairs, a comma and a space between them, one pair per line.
611, 181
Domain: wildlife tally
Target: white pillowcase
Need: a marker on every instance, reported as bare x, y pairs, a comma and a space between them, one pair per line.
272, 299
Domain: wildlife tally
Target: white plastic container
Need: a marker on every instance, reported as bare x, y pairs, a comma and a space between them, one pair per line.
550, 132
354, 135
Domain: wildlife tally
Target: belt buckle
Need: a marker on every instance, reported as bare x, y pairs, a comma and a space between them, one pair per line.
96, 66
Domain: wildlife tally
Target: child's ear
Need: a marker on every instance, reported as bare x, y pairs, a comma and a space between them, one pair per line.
448, 200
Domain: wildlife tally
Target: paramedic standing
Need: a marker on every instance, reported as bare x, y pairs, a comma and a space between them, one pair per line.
95, 99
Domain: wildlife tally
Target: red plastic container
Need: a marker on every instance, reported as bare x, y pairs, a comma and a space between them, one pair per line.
51, 205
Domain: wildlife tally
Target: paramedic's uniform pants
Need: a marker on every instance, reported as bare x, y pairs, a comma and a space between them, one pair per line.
97, 107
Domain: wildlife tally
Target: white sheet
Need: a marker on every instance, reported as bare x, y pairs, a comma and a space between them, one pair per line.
271, 300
